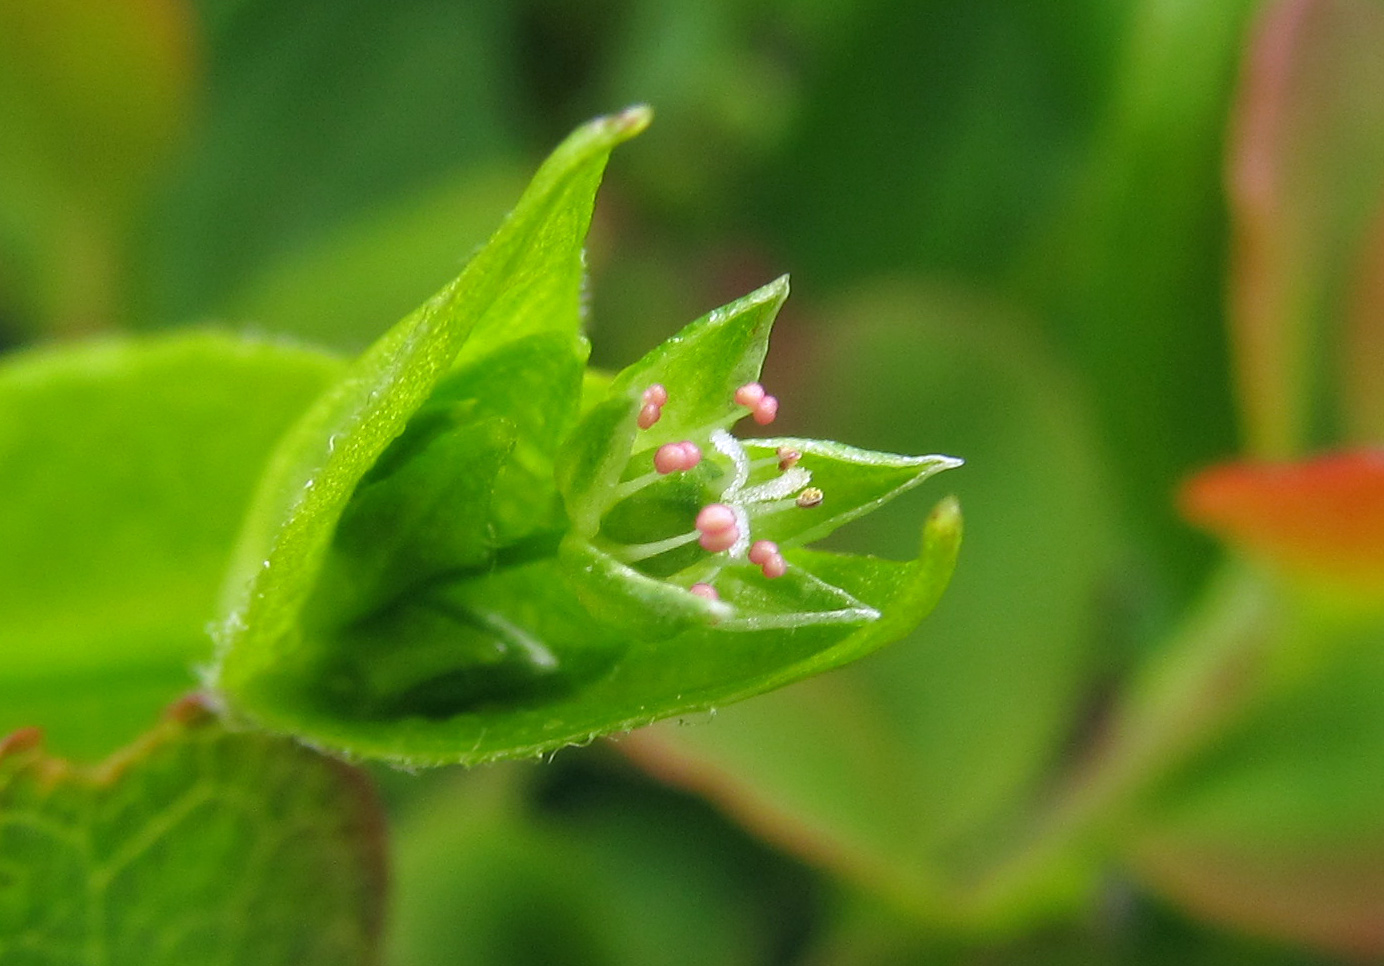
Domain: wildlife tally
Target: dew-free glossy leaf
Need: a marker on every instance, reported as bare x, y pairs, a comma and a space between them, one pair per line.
196, 844
125, 467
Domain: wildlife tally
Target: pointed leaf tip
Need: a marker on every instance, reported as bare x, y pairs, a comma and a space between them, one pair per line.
633, 119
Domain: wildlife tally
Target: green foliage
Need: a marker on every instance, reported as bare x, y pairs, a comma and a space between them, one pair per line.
126, 467
409, 585
1074, 242
194, 845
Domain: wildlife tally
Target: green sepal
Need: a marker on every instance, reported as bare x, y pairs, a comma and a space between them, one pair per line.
703, 364
853, 483
635, 603
591, 463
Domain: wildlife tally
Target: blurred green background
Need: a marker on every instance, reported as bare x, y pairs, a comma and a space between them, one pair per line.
1016, 236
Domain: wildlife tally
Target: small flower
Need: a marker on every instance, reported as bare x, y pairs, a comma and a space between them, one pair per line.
709, 533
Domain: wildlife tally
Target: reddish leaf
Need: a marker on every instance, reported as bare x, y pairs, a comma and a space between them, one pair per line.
1332, 902
1305, 169
1321, 519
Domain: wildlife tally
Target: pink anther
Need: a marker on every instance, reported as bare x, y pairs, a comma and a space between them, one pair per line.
718, 540
749, 395
649, 414
766, 410
656, 394
676, 457
691, 454
774, 567
762, 551
787, 457
715, 518
705, 591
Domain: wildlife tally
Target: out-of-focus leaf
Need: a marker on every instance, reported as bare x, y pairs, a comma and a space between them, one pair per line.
1329, 900
1306, 179
1362, 348
1131, 276
336, 289
315, 116
1322, 519
1278, 828
81, 80
125, 468
577, 865
193, 845
908, 770
948, 151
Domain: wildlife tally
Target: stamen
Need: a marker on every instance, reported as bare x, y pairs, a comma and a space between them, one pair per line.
705, 591
649, 414
810, 497
635, 552
676, 457
761, 551
657, 395
765, 555
719, 540
788, 458
749, 395
765, 411
715, 518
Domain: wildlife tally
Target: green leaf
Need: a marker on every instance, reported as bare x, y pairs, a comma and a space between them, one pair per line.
1143, 241
334, 288
81, 82
125, 467
525, 283
486, 864
319, 130
1277, 827
196, 844
432, 574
